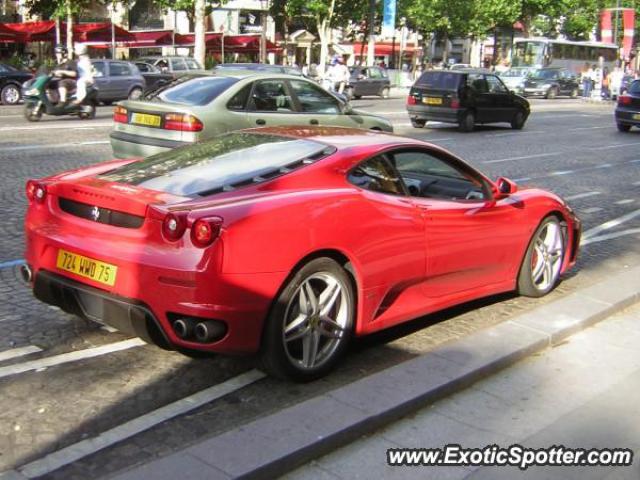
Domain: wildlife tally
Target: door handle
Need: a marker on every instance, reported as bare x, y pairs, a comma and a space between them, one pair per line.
261, 121
313, 121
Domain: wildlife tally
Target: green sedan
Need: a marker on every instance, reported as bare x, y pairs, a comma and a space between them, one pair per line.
199, 108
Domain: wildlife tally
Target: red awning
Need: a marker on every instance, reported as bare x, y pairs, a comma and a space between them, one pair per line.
45, 31
188, 39
34, 31
6, 33
99, 32
151, 38
247, 44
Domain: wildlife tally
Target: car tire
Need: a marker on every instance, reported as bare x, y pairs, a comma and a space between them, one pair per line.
551, 93
622, 127
574, 93
90, 114
416, 123
384, 93
519, 119
468, 122
10, 95
32, 114
540, 269
357, 97
318, 330
135, 93
106, 102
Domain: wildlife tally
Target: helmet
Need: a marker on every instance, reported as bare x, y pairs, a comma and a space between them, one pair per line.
60, 50
81, 49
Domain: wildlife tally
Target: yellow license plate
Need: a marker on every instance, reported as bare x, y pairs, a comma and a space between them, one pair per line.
145, 119
432, 101
87, 267
636, 116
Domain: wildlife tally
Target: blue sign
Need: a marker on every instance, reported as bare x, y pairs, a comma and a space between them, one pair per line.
389, 18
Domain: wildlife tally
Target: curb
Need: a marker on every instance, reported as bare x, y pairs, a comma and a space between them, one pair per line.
279, 443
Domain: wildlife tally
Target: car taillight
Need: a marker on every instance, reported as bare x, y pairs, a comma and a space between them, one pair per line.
455, 103
36, 191
624, 100
411, 100
205, 230
182, 122
120, 115
173, 227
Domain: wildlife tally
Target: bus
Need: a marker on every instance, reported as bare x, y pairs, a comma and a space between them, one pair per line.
535, 53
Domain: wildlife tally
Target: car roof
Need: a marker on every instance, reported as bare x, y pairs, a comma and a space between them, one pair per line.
257, 74
339, 137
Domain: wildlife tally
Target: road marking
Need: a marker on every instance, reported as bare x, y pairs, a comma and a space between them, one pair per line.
18, 352
591, 210
604, 165
626, 201
69, 357
608, 236
588, 128
508, 134
438, 139
11, 263
561, 172
582, 195
79, 450
56, 127
393, 112
611, 223
522, 179
637, 184
537, 155
619, 145
54, 145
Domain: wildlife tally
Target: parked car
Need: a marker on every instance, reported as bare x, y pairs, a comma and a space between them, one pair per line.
287, 242
259, 67
368, 81
11, 80
117, 80
153, 76
551, 82
515, 78
460, 66
173, 64
464, 97
196, 109
627, 113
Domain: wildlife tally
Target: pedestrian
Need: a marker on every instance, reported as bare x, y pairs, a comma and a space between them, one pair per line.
586, 82
606, 93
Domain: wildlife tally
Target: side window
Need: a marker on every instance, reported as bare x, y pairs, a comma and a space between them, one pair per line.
375, 73
377, 175
119, 69
495, 84
477, 83
100, 68
192, 64
177, 64
239, 100
143, 67
313, 99
271, 96
430, 176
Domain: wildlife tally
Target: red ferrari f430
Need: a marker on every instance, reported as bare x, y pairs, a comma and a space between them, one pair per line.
287, 242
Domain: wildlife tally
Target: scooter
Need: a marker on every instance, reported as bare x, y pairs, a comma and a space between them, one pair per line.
40, 99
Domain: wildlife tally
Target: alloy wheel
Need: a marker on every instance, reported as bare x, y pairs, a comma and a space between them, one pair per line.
10, 95
547, 255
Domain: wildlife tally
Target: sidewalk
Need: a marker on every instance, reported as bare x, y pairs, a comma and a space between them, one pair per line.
585, 393
274, 445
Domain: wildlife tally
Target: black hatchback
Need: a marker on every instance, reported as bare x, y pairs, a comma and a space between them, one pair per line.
627, 113
467, 98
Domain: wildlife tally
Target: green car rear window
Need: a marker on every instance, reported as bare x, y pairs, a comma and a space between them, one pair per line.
198, 91
224, 163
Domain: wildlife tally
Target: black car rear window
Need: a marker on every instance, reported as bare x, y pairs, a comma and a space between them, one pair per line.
226, 162
440, 80
635, 87
197, 91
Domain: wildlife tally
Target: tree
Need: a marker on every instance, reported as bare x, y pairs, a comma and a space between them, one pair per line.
200, 27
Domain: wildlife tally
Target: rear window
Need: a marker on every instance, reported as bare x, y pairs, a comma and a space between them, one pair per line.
197, 91
440, 80
635, 87
226, 162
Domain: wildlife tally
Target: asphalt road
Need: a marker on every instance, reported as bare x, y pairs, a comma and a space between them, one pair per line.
52, 400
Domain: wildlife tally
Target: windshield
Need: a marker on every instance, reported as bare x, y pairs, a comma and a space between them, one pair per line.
514, 72
225, 161
528, 54
198, 91
543, 74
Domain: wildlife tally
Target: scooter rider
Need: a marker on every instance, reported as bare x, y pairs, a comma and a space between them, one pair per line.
85, 72
67, 71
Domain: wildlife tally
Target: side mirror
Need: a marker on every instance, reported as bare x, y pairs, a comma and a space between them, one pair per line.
504, 187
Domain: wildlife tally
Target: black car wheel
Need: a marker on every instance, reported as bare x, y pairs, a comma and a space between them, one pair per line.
311, 322
623, 128
551, 93
416, 123
107, 102
10, 95
468, 122
518, 120
574, 93
357, 97
135, 93
384, 93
